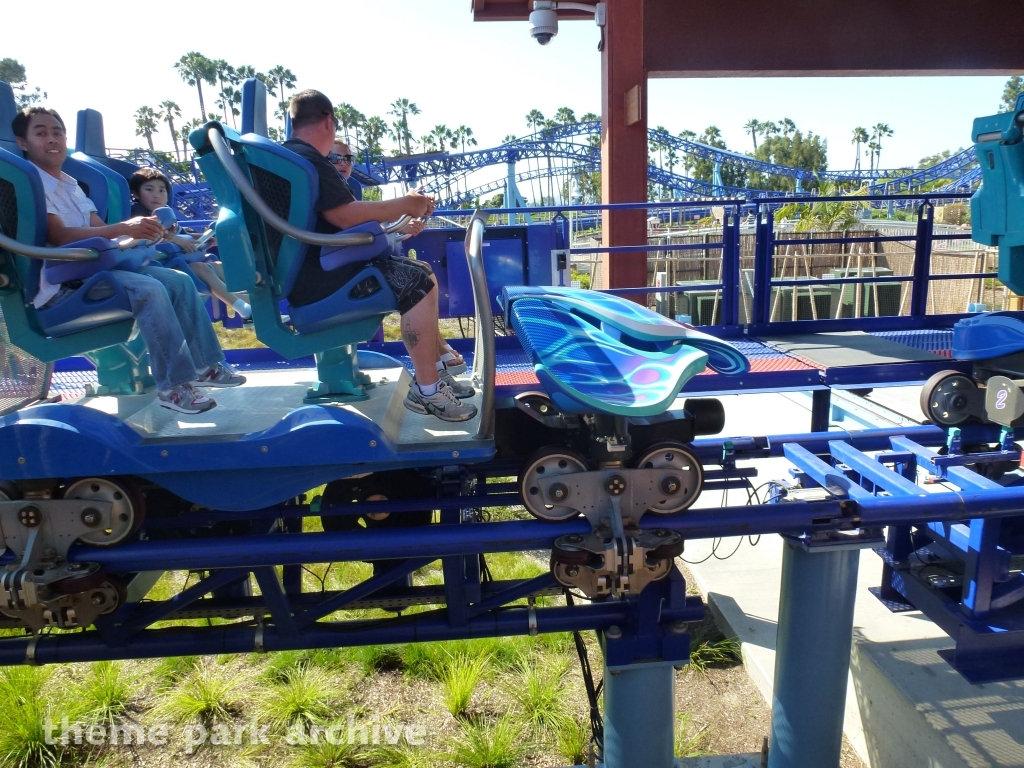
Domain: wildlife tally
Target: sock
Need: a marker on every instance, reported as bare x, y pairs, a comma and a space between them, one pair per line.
243, 309
428, 389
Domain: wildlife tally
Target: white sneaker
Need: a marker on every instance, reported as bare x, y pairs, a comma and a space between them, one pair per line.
219, 375
443, 404
184, 399
461, 390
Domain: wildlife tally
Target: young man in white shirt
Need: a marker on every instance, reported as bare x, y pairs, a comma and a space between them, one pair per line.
183, 349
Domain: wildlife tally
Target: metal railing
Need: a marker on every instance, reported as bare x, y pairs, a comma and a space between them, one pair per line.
484, 359
745, 297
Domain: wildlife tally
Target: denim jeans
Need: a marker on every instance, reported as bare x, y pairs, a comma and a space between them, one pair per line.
173, 323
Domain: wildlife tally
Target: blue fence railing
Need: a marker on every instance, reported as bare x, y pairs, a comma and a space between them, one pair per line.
748, 285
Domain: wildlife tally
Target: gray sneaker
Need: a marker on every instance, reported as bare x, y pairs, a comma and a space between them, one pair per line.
443, 404
461, 390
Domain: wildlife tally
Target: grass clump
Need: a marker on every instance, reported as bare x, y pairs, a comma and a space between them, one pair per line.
572, 740
691, 741
305, 696
481, 745
459, 676
22, 727
207, 694
707, 654
402, 756
538, 690
324, 754
105, 692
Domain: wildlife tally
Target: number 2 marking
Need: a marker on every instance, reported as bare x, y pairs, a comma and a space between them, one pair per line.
1001, 399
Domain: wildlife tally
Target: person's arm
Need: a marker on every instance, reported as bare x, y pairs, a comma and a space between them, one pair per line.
143, 228
361, 211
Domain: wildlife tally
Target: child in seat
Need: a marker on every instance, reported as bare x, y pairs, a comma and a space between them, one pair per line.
151, 189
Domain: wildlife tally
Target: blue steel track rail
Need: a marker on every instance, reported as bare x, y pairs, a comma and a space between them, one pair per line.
865, 495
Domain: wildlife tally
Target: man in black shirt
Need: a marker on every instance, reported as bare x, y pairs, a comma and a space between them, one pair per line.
313, 129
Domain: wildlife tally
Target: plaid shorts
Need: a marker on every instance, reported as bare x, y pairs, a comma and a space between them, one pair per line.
408, 278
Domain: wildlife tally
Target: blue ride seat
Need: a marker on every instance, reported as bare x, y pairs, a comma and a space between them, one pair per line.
632, 324
997, 207
78, 324
288, 184
585, 370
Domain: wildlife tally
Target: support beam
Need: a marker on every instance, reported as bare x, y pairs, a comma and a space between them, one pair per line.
624, 143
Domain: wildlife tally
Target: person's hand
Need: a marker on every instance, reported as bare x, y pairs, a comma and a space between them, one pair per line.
187, 244
413, 228
419, 204
143, 228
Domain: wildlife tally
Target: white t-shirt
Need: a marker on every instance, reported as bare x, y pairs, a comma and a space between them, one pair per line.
66, 199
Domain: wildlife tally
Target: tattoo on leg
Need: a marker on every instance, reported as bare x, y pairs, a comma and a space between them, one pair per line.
410, 336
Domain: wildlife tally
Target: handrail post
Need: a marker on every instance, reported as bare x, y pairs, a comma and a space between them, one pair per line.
483, 345
730, 268
763, 264
922, 260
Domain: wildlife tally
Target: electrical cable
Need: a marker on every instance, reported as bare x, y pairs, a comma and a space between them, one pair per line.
593, 692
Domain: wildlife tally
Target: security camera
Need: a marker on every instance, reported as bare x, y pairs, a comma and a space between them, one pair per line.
543, 24
544, 18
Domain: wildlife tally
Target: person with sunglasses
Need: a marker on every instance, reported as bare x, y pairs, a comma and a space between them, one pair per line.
342, 157
434, 390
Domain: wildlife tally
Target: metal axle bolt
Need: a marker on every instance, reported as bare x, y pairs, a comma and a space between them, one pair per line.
558, 492
670, 485
615, 485
572, 570
91, 517
30, 516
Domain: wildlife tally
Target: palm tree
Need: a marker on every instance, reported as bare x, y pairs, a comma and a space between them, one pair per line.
687, 135
230, 101
170, 112
565, 116
402, 108
879, 132
402, 137
753, 126
787, 126
442, 135
225, 74
509, 138
195, 69
428, 143
534, 119
658, 143
245, 72
836, 216
348, 117
769, 129
464, 135
589, 117
860, 136
872, 151
285, 79
374, 129
147, 123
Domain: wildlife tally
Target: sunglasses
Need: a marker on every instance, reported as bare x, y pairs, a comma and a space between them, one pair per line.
334, 158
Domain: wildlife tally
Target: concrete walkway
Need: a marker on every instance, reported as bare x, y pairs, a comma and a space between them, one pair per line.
905, 706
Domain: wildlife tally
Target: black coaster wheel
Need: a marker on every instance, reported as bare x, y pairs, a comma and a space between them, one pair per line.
127, 514
672, 455
948, 398
379, 486
549, 462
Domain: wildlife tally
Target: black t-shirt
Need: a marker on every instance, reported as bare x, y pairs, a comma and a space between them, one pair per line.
313, 282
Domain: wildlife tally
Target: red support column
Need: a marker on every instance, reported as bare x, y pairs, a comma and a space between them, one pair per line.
624, 141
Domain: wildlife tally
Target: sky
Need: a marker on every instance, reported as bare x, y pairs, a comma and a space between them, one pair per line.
483, 75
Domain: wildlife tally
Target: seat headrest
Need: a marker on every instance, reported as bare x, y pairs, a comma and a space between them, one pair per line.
8, 109
23, 212
254, 107
89, 135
